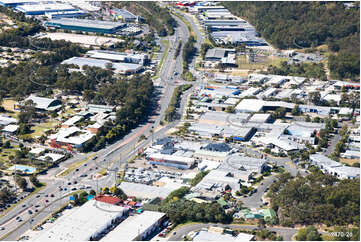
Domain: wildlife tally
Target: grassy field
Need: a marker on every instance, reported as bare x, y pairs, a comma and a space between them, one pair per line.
40, 129
73, 166
8, 104
349, 161
6, 153
244, 64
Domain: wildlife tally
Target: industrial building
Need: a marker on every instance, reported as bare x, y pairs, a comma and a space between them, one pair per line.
122, 68
332, 167
86, 25
245, 163
176, 161
14, 3
65, 14
248, 38
115, 56
124, 15
42, 8
76, 225
90, 40
222, 22
261, 118
213, 151
138, 227
6, 120
224, 56
256, 105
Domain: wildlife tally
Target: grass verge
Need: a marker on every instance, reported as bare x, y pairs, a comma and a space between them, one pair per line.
165, 53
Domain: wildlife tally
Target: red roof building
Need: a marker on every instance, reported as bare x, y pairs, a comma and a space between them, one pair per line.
185, 4
108, 199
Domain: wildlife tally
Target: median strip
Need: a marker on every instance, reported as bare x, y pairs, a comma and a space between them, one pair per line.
73, 166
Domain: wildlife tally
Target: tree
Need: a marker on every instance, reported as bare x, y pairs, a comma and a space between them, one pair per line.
315, 98
34, 180
21, 182
280, 112
295, 111
120, 194
7, 144
105, 190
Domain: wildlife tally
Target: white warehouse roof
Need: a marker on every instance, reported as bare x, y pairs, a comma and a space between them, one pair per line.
132, 227
85, 222
250, 105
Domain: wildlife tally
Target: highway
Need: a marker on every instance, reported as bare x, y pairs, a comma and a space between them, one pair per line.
109, 158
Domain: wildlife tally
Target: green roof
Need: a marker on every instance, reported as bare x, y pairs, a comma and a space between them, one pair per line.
222, 202
269, 212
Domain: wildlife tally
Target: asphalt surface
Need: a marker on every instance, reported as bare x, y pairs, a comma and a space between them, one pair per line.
286, 233
334, 140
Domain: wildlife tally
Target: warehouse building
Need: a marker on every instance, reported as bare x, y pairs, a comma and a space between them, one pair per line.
213, 151
179, 162
224, 22
77, 225
137, 228
86, 25
122, 68
65, 14
124, 15
248, 38
261, 118
42, 8
14, 3
225, 56
115, 56
6, 120
244, 163
332, 167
